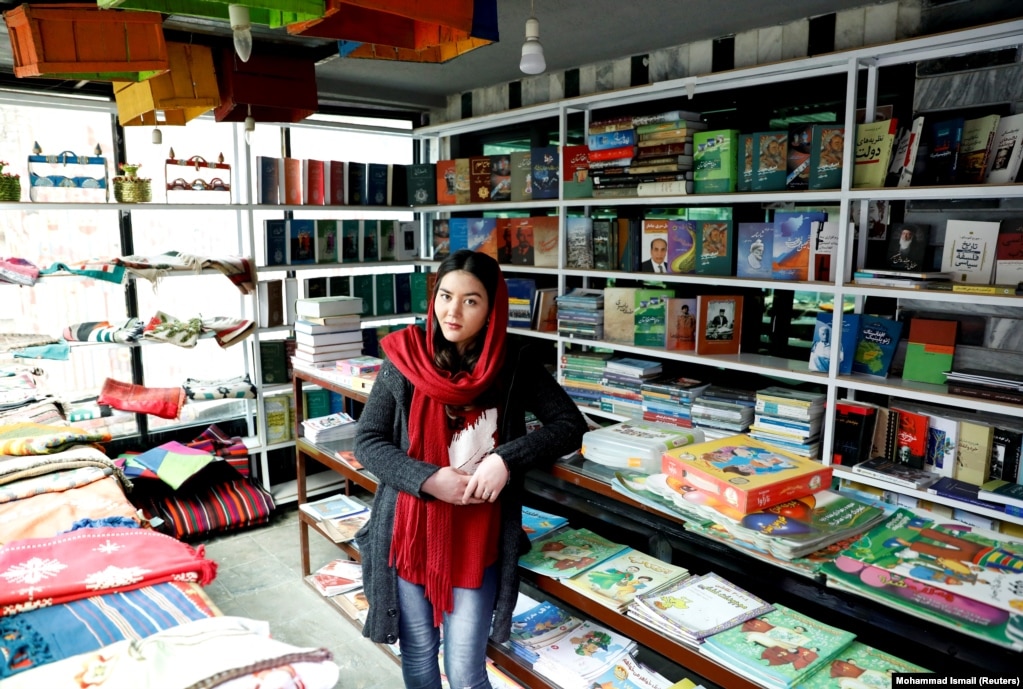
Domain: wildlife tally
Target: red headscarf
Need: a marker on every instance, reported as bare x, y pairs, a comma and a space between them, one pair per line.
412, 352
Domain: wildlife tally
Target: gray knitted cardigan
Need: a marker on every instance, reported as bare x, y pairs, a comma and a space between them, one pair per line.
381, 446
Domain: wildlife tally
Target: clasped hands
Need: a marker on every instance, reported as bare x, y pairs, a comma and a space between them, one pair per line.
483, 485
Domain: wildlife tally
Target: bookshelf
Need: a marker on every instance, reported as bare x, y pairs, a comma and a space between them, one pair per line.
856, 74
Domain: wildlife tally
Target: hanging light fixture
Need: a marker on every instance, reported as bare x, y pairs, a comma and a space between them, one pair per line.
241, 26
157, 136
532, 61
250, 127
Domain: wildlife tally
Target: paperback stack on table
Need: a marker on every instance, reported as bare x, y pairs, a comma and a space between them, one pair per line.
581, 314
623, 376
692, 609
723, 408
336, 577
941, 570
670, 400
777, 649
327, 329
790, 419
616, 582
330, 427
581, 373
579, 658
539, 626
636, 445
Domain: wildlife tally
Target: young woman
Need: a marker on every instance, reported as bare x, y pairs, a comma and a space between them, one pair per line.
444, 433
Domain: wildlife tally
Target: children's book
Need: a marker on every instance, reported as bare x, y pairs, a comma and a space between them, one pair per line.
614, 583
970, 250
748, 474
539, 626
876, 345
537, 523
698, 607
583, 654
859, 665
629, 673
976, 563
337, 576
567, 552
754, 250
779, 648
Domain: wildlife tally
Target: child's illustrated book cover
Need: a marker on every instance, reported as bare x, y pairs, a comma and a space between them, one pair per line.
567, 552
859, 665
615, 582
748, 474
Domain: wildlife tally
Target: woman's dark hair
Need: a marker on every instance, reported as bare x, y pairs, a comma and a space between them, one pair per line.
485, 269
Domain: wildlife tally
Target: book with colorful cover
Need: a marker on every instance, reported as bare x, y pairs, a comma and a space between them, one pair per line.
859, 665
790, 259
771, 153
537, 523
748, 474
546, 172
970, 250
681, 236
714, 247
981, 565
629, 673
615, 582
541, 625
582, 655
337, 576
823, 343
567, 552
754, 250
930, 349
715, 161
698, 607
911, 438
779, 648
333, 507
302, 239
343, 530
943, 154
827, 151
876, 345
974, 149
1006, 150
649, 317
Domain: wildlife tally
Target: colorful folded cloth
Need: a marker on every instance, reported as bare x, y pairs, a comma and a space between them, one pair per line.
163, 402
58, 351
166, 328
98, 269
238, 387
18, 271
124, 332
228, 331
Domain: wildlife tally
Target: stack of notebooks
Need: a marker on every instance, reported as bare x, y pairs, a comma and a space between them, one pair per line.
997, 386
581, 314
330, 427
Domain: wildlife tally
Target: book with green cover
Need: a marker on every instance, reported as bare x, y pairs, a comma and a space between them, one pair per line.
778, 649
422, 184
930, 349
362, 287
715, 168
616, 581
567, 552
648, 315
326, 241
859, 665
384, 305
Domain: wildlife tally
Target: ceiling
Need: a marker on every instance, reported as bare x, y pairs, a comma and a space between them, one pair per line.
573, 33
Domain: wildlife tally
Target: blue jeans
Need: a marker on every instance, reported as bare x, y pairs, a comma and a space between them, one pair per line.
466, 630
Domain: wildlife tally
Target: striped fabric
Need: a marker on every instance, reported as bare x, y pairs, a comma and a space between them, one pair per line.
230, 448
41, 636
221, 507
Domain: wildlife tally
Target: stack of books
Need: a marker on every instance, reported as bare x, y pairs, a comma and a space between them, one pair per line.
593, 651
903, 279
670, 400
616, 582
537, 625
336, 577
790, 419
623, 376
327, 329
537, 523
359, 373
636, 445
581, 314
998, 386
581, 373
330, 427
694, 608
339, 516
725, 409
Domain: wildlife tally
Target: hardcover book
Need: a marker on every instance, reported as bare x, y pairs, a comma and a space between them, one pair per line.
387, 232
406, 240
900, 171
422, 184
978, 132
291, 181
649, 317
521, 292
747, 162
718, 324
854, 429
357, 184
791, 244
350, 230
483, 238
715, 161
930, 349
369, 240
772, 151
1006, 450
326, 241
335, 183
301, 238
275, 236
545, 240
1005, 492
441, 237
973, 452
779, 648
946, 137
521, 176
821, 347
954, 489
463, 181
907, 247
268, 180
876, 345
576, 169
619, 314
698, 607
568, 552
874, 144
827, 149
680, 324
500, 177
1006, 150
754, 250
546, 172
797, 167
383, 294
602, 228
748, 474
615, 582
397, 185
376, 184
314, 182
681, 235
970, 249
445, 174
654, 246
911, 438
713, 247
578, 242
823, 248
1009, 252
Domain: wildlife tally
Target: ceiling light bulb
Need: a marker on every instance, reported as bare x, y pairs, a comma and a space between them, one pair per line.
157, 136
241, 26
250, 128
532, 61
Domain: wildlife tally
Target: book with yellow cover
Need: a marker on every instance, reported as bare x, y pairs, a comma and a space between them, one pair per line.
747, 473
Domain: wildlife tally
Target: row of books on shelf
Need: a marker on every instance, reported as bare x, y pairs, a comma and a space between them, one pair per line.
706, 612
312, 182
304, 241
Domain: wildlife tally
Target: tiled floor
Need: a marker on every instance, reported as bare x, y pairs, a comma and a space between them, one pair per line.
259, 576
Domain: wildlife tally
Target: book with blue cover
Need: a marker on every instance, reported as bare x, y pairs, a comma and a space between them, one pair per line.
275, 235
537, 523
302, 238
791, 244
876, 345
823, 339
682, 246
546, 163
458, 233
521, 293
754, 250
